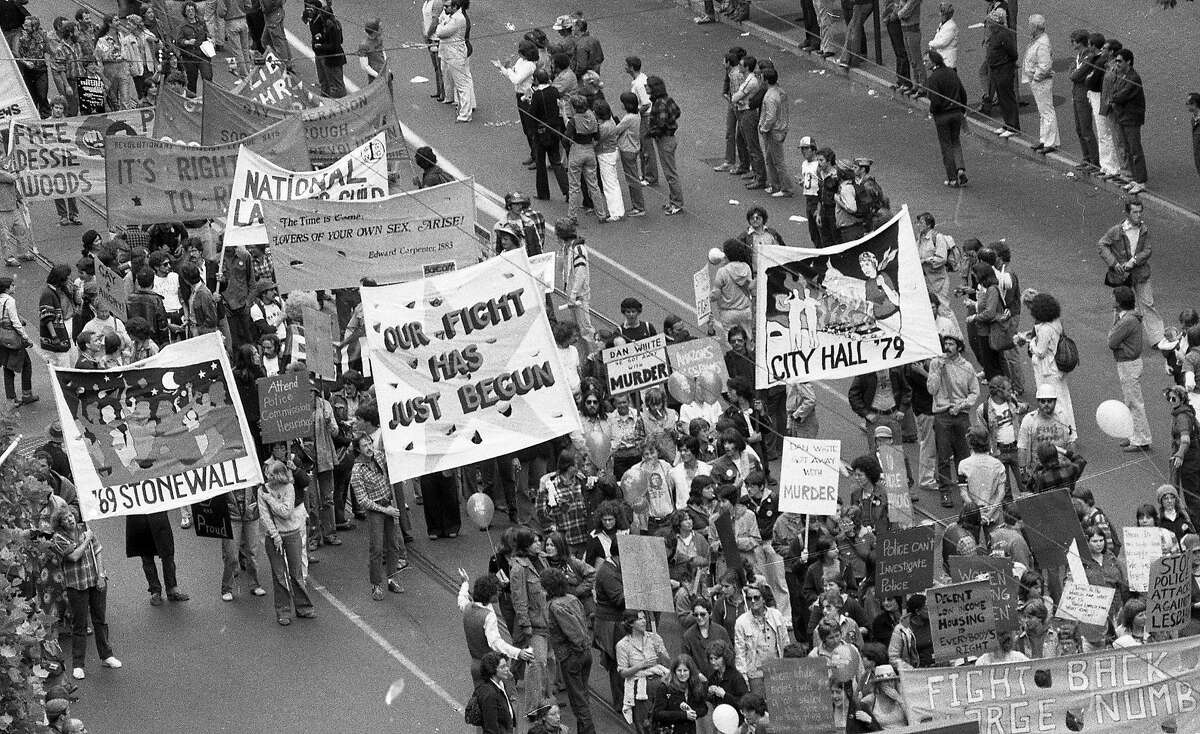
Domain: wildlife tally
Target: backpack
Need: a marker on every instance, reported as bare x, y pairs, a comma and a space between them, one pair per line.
1066, 356
954, 255
473, 712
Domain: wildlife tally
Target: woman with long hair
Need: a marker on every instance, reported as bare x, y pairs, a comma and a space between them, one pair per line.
580, 577
283, 521
1042, 341
611, 521
529, 601
736, 461
641, 661
1147, 516
680, 701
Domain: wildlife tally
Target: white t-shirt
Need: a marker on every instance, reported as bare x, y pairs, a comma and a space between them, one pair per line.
810, 179
998, 658
168, 287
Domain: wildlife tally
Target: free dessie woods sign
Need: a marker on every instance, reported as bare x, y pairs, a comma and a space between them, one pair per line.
841, 311
465, 367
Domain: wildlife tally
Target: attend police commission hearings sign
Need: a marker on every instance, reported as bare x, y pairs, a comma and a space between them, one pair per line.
465, 367
841, 311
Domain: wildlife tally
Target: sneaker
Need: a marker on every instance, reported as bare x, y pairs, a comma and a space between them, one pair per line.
672, 210
344, 526
78, 674
332, 539
636, 213
723, 167
1137, 188
998, 131
227, 596
769, 190
258, 591
185, 522
63, 222
29, 256
177, 595
377, 593
395, 587
704, 19
12, 262
307, 613
111, 662
738, 171
755, 185
156, 600
284, 621
781, 194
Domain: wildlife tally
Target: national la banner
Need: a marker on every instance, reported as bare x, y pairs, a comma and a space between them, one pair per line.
1137, 690
157, 434
846, 310
465, 367
319, 244
16, 102
361, 175
59, 158
156, 181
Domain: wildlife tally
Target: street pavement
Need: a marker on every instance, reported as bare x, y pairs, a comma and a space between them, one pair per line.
205, 665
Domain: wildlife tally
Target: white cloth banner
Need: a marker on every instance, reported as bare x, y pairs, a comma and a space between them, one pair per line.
846, 310
465, 367
158, 434
16, 102
360, 175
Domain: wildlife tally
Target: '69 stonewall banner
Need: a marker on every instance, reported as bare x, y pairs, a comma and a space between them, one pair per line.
156, 181
157, 434
841, 311
465, 367
1139, 690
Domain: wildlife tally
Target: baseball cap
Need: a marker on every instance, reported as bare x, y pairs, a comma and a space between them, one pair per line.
807, 142
883, 432
1046, 391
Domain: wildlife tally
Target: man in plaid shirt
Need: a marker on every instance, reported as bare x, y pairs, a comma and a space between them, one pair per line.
87, 588
387, 554
560, 506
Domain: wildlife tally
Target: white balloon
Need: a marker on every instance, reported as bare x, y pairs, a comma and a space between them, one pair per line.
394, 691
725, 719
716, 256
1113, 417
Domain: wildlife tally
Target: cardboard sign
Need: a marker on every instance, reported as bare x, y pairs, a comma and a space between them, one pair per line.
694, 357
895, 483
637, 365
1001, 583
1169, 599
962, 620
1142, 547
285, 406
1050, 526
906, 561
702, 289
798, 695
110, 289
320, 354
211, 518
808, 476
1084, 603
644, 573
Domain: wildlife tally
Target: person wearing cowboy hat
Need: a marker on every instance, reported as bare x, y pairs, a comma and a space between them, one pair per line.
266, 311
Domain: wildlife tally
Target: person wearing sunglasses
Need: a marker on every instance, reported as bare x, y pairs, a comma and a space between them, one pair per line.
759, 634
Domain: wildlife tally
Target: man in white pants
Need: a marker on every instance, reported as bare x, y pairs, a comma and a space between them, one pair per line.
1110, 164
1037, 72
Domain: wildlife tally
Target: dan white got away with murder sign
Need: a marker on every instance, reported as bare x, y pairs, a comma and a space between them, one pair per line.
465, 367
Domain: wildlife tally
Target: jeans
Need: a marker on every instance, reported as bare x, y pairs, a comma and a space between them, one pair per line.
949, 135
385, 547
896, 35
287, 574
214, 24
1152, 323
1105, 147
240, 552
237, 36
665, 146
775, 163
437, 75
831, 27
38, 81
1006, 97
581, 170
1043, 97
812, 32
10, 378
1130, 137
856, 36
168, 575
1130, 375
950, 433
1085, 130
735, 147
194, 68
912, 44
748, 131
321, 492
611, 183
649, 165
330, 79
273, 35
546, 147
576, 669
119, 86
87, 604
926, 452
629, 167
1010, 363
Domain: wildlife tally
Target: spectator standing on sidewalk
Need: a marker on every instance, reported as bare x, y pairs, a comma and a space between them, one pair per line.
1037, 71
664, 121
945, 39
1105, 146
1085, 126
1001, 62
909, 13
773, 130
947, 105
1193, 107
891, 22
747, 125
237, 33
1129, 113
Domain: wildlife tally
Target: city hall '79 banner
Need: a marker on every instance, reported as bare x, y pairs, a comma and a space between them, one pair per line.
360, 175
157, 434
157, 181
332, 244
465, 367
1138, 690
841, 311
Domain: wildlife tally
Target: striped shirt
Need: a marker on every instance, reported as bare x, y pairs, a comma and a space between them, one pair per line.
370, 485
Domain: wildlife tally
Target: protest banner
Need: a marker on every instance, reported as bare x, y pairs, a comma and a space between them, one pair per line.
702, 290
906, 560
1001, 583
962, 620
845, 310
271, 84
331, 131
798, 695
16, 103
1050, 526
151, 181
90, 92
359, 176
320, 332
465, 367
1169, 599
322, 243
636, 365
644, 562
110, 289
285, 406
1085, 603
211, 518
177, 118
894, 482
1142, 547
1139, 690
694, 357
960, 727
58, 158
808, 475
158, 434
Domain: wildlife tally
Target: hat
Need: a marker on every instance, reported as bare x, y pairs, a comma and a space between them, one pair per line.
1046, 391
563, 22
264, 285
884, 672
1165, 489
373, 26
883, 432
807, 142
998, 16
57, 707
957, 340
54, 431
864, 161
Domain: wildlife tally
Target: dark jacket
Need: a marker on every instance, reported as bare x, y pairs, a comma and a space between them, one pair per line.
146, 303
1129, 99
922, 401
697, 646
863, 387
1001, 50
666, 711
734, 685
946, 91
1114, 248
496, 708
545, 110
1079, 75
588, 54
1125, 337
326, 33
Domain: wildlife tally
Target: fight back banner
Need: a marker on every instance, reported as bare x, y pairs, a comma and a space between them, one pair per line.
1142, 690
332, 244
55, 159
360, 175
465, 367
846, 310
158, 434
155, 181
